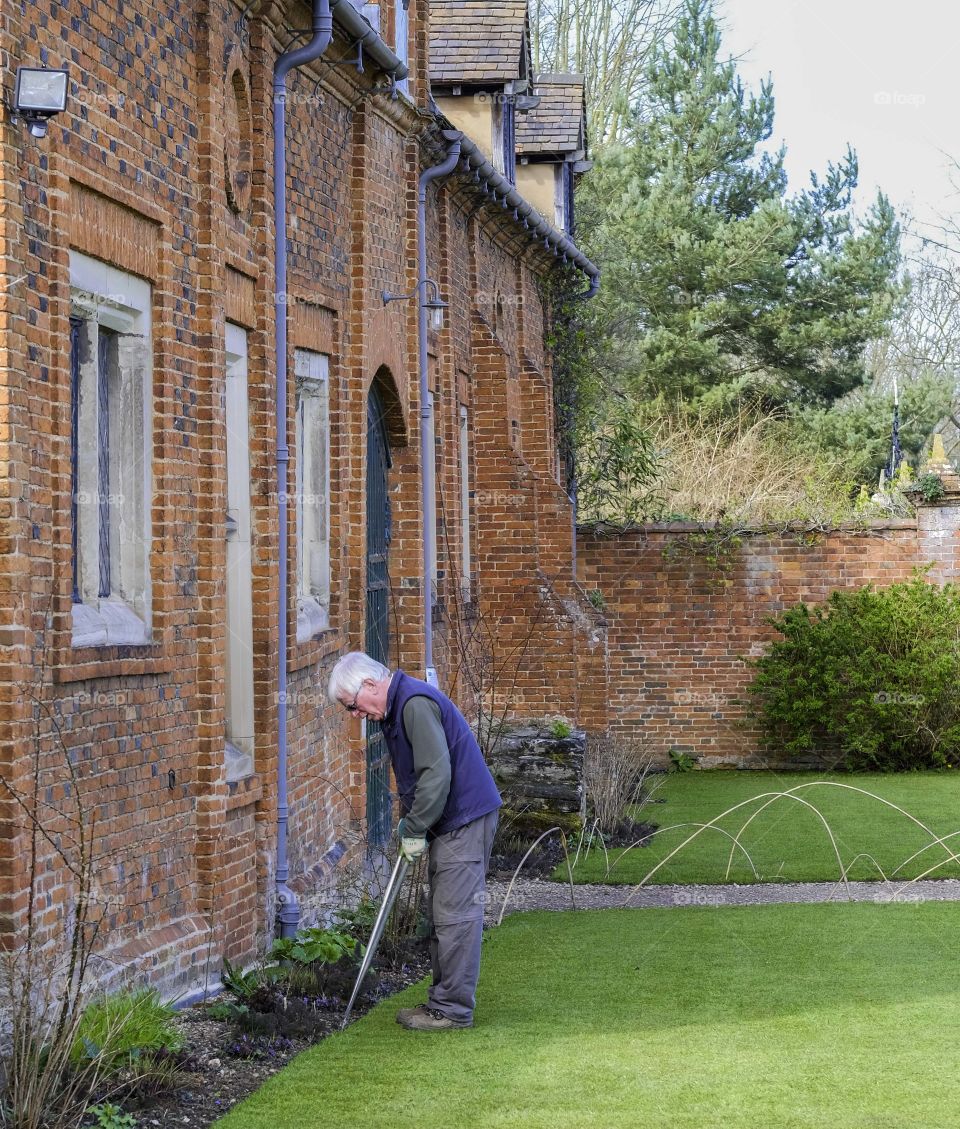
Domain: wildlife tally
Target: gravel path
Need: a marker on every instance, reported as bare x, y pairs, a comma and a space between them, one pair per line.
535, 893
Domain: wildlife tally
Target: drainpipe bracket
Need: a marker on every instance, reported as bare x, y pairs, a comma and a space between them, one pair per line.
356, 61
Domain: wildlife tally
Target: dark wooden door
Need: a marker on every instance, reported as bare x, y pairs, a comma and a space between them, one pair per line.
377, 641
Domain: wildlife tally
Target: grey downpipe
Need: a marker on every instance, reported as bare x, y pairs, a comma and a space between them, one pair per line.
288, 908
363, 34
426, 406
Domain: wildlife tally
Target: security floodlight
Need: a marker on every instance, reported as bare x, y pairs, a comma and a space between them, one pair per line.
39, 94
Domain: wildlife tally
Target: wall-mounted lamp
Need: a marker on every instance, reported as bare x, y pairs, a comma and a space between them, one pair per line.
435, 306
39, 94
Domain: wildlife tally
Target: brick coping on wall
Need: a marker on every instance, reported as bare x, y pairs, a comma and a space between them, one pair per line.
603, 529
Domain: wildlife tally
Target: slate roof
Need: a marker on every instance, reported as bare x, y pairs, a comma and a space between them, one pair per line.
557, 124
478, 40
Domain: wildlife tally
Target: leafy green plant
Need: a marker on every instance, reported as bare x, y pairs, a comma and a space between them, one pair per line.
318, 961
227, 1011
560, 728
314, 945
596, 597
681, 761
358, 922
929, 487
242, 985
869, 678
109, 1116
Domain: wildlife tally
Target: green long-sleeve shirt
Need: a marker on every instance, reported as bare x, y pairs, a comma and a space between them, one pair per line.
431, 763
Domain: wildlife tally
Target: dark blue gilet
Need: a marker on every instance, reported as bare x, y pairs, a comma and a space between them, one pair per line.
472, 790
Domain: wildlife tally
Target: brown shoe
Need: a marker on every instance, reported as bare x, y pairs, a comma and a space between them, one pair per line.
425, 1018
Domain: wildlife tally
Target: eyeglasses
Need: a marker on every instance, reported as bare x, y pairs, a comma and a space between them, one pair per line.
353, 707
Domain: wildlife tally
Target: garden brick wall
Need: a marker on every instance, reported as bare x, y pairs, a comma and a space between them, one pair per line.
134, 174
679, 627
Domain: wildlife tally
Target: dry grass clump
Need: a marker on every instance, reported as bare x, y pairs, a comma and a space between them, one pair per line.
744, 469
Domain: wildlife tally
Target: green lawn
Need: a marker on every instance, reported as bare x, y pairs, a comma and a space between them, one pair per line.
788, 842
768, 1017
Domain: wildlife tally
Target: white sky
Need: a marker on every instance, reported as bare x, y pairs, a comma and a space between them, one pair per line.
881, 74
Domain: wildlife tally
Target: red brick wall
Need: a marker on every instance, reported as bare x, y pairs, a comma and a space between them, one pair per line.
134, 173
679, 627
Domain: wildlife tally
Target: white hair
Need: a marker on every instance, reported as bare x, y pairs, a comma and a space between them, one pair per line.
351, 671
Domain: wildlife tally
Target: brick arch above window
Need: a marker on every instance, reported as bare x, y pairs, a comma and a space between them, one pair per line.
237, 133
394, 410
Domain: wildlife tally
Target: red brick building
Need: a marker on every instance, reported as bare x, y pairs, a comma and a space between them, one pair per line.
140, 495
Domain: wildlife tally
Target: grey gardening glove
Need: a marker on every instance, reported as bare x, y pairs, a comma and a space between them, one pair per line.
411, 846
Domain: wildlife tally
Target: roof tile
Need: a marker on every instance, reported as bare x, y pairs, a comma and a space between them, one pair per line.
477, 40
557, 124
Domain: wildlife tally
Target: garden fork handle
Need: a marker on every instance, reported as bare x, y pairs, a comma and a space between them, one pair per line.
389, 897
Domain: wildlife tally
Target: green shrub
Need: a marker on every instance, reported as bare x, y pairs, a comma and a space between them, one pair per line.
869, 678
109, 1116
314, 945
242, 985
681, 761
318, 961
358, 922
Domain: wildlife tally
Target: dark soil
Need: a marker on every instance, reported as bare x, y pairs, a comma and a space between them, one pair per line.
508, 851
628, 834
223, 1063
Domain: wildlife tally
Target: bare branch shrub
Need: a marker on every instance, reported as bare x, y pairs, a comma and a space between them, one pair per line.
615, 773
47, 972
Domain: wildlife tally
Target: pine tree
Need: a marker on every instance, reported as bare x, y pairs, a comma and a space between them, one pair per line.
713, 275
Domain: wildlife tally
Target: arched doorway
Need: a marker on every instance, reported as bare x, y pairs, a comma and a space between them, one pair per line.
377, 634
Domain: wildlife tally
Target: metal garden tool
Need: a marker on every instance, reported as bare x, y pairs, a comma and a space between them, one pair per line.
389, 897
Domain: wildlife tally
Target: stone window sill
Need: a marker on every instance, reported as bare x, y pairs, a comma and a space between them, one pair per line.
312, 619
239, 764
112, 623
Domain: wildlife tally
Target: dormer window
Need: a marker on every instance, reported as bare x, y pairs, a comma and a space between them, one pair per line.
479, 63
503, 134
551, 145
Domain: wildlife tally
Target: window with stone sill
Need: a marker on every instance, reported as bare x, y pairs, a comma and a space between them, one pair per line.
312, 492
401, 38
111, 450
466, 563
238, 675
